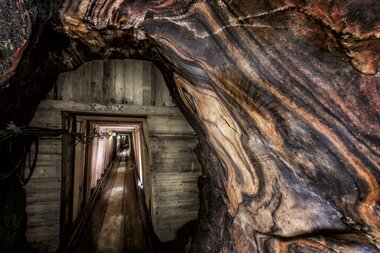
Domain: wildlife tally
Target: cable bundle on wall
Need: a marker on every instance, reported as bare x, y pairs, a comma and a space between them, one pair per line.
24, 138
15, 139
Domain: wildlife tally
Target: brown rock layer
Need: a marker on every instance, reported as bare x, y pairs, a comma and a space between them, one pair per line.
284, 96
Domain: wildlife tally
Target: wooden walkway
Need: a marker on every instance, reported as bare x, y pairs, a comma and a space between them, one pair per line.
114, 224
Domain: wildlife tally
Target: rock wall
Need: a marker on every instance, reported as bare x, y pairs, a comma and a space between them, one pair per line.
285, 96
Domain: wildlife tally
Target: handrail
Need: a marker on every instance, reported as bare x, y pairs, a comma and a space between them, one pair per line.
152, 241
85, 213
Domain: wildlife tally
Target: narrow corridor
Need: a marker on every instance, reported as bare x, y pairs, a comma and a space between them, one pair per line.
114, 224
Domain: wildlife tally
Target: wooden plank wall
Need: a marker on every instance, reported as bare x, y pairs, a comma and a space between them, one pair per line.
140, 88
113, 82
175, 171
43, 197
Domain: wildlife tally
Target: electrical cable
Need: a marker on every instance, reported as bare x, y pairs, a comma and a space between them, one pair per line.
32, 135
32, 166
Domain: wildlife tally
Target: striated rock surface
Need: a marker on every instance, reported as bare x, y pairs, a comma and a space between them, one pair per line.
16, 28
284, 96
22, 22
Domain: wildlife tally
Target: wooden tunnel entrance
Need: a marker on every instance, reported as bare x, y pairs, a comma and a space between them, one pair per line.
106, 95
88, 155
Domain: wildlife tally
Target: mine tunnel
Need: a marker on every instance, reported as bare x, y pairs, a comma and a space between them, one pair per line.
124, 176
189, 126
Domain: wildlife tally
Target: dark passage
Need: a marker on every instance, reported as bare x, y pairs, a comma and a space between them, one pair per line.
114, 223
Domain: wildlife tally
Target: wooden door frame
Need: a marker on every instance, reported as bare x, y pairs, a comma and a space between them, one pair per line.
68, 153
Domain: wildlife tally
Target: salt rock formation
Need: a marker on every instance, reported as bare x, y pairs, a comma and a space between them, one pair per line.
284, 96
